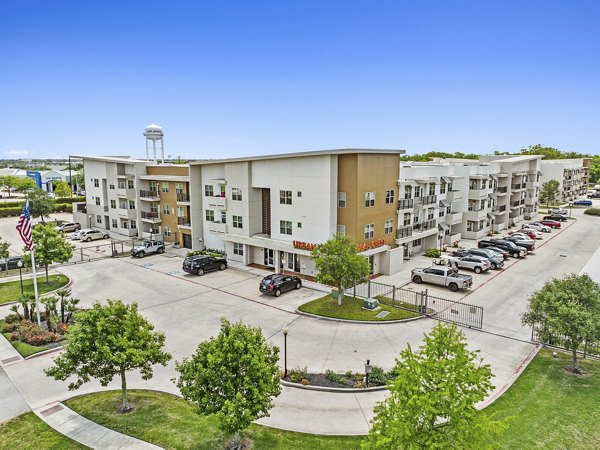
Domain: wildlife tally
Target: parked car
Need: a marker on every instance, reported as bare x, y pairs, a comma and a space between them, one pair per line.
443, 276
521, 241
68, 227
583, 202
538, 226
10, 263
561, 211
528, 233
199, 264
278, 283
147, 247
496, 259
477, 264
505, 254
556, 217
551, 223
594, 195
76, 235
92, 235
514, 250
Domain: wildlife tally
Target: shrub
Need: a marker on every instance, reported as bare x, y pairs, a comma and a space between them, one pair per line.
378, 376
61, 328
334, 377
433, 253
592, 211
12, 318
9, 327
208, 251
41, 339
297, 374
359, 384
349, 374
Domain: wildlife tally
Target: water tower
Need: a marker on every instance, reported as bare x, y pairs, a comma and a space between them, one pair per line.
155, 133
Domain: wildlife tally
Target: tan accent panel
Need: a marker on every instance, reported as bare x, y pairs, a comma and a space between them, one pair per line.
182, 171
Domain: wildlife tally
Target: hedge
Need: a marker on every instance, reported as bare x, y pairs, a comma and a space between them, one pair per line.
19, 203
16, 211
592, 211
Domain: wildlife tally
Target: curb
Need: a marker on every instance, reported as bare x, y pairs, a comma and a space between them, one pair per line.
44, 352
333, 389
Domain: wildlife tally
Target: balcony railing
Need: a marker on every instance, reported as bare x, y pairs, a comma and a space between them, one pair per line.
404, 232
149, 194
502, 190
183, 197
429, 199
183, 221
406, 203
150, 215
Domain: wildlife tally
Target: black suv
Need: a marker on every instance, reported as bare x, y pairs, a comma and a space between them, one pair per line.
10, 263
276, 284
557, 217
199, 264
510, 247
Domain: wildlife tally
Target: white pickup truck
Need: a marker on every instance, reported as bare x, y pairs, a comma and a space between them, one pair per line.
444, 276
146, 247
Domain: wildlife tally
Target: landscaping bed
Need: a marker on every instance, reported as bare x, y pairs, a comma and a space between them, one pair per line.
352, 309
10, 291
28, 339
347, 380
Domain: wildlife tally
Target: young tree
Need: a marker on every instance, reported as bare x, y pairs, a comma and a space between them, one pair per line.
50, 247
11, 182
61, 296
109, 340
40, 205
24, 183
50, 305
549, 192
568, 306
234, 376
431, 401
62, 189
339, 265
4, 249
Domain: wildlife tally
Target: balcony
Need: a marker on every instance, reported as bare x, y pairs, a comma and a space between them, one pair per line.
406, 203
217, 227
502, 190
518, 187
125, 193
454, 196
404, 232
184, 222
151, 217
182, 197
475, 214
452, 237
124, 213
217, 202
453, 218
429, 199
151, 196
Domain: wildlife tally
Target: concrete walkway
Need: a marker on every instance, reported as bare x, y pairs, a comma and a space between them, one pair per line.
86, 432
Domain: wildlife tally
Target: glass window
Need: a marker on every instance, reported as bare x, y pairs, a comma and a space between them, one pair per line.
238, 249
131, 204
167, 231
369, 199
369, 231
179, 188
389, 197
407, 191
124, 224
113, 204
133, 224
209, 190
285, 227
96, 182
341, 230
237, 222
180, 211
341, 199
431, 189
210, 215
443, 188
111, 186
98, 218
299, 225
388, 226
299, 194
98, 201
285, 197
153, 186
165, 186
130, 184
236, 194
115, 223
121, 184
166, 209
407, 219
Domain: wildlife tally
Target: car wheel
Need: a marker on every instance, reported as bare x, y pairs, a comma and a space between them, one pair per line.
494, 266
200, 272
277, 292
453, 287
88, 239
477, 269
105, 236
223, 266
160, 250
515, 254
298, 285
141, 254
417, 279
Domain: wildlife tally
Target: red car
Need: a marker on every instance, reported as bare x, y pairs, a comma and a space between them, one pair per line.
550, 223
526, 232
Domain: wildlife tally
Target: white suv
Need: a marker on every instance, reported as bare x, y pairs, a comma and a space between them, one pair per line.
92, 235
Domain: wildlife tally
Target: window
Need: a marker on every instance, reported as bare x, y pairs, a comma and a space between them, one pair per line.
111, 186
341, 199
113, 204
130, 184
472, 184
299, 194
389, 197
179, 188
166, 209
417, 243
223, 217
131, 204
121, 184
369, 231
165, 186
369, 199
167, 231
210, 215
98, 218
133, 224
299, 225
122, 204
153, 186
96, 182
443, 188
388, 226
98, 201
180, 211
430, 213
124, 224
407, 191
285, 227
237, 222
285, 197
431, 189
406, 219
154, 207
482, 204
341, 230
238, 249
483, 184
236, 194
115, 224
208, 190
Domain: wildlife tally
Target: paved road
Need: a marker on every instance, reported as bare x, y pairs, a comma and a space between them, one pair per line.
187, 308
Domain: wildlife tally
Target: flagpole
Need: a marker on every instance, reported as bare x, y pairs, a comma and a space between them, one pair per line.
35, 287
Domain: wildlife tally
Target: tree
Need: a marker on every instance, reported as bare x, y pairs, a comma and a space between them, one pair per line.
549, 192
568, 307
431, 401
62, 189
24, 183
50, 247
4, 249
40, 205
11, 182
61, 296
79, 181
339, 265
109, 340
50, 305
234, 376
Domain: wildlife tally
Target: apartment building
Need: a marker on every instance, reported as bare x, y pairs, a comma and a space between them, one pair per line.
272, 210
572, 176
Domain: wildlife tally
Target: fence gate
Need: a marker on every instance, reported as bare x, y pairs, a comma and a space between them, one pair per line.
421, 302
541, 336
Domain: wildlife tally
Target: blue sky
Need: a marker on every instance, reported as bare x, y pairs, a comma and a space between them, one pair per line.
246, 78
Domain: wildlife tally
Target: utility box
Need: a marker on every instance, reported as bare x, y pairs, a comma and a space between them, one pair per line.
370, 303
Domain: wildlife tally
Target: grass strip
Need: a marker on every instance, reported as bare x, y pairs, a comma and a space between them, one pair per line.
352, 309
10, 291
28, 431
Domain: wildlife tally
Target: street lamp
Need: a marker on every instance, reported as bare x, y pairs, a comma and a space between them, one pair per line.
20, 266
285, 333
570, 208
368, 369
441, 238
90, 221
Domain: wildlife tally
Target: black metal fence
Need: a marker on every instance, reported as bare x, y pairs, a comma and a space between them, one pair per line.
589, 348
421, 302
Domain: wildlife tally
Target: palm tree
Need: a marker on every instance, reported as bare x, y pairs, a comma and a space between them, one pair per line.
15, 309
24, 301
71, 307
50, 304
61, 296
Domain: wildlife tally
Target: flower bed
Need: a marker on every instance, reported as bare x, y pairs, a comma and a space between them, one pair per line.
28, 338
331, 379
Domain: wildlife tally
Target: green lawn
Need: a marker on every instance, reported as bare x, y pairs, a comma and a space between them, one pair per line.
552, 408
352, 309
172, 423
24, 349
30, 432
11, 290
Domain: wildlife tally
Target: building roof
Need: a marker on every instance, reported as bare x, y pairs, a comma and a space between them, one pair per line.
342, 151
514, 159
117, 159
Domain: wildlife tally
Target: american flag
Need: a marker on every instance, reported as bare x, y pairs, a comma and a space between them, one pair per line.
24, 226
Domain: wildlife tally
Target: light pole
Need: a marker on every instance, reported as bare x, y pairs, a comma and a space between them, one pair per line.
441, 238
368, 368
20, 266
285, 333
90, 221
570, 208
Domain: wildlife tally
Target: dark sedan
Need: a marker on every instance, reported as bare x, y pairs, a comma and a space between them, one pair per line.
278, 283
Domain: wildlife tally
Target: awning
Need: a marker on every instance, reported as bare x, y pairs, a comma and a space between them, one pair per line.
445, 203
494, 177
491, 216
443, 226
446, 180
492, 196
